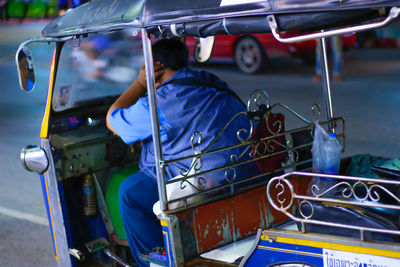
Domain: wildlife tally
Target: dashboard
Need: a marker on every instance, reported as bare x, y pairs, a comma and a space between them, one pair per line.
82, 143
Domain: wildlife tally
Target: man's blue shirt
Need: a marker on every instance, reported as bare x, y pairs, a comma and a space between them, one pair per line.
133, 123
186, 107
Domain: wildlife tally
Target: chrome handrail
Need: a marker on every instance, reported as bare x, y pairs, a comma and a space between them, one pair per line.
346, 194
393, 14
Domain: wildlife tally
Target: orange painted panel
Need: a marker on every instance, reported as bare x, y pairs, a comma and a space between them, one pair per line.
213, 224
216, 223
250, 212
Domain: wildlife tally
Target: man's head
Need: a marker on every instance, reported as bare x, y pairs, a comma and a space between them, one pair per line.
172, 53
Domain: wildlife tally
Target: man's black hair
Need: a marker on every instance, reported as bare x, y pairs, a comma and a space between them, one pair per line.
172, 53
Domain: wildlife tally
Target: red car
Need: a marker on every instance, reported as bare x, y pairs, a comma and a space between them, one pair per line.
251, 52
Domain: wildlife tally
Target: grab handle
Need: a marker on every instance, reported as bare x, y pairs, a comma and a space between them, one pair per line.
393, 14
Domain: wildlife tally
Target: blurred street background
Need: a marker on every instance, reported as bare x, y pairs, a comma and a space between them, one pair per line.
368, 98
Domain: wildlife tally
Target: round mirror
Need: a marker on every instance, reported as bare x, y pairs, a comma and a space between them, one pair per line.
203, 49
26, 72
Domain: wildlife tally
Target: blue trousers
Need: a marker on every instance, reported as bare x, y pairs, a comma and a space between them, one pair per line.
337, 55
137, 195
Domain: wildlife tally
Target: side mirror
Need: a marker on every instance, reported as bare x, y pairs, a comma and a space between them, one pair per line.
26, 72
203, 49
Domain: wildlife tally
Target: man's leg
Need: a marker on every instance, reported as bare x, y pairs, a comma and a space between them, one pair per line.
337, 54
317, 61
137, 195
317, 77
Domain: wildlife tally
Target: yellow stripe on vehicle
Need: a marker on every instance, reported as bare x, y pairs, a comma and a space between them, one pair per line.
45, 122
164, 223
334, 246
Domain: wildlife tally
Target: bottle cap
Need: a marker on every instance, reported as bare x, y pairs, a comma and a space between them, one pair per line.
332, 134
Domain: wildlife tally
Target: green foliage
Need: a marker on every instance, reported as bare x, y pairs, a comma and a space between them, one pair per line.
16, 8
35, 9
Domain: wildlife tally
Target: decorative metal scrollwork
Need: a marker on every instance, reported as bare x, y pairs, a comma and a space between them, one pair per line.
238, 133
346, 193
355, 191
293, 153
278, 202
256, 99
251, 148
192, 139
301, 205
201, 184
349, 191
316, 111
230, 174
196, 166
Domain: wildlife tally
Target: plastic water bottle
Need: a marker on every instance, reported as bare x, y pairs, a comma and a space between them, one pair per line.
331, 155
89, 196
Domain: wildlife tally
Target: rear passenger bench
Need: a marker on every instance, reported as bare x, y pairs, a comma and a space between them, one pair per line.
219, 226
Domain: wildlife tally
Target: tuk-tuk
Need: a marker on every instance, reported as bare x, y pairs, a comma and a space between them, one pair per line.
280, 217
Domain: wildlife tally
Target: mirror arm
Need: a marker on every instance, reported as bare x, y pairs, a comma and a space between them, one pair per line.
45, 40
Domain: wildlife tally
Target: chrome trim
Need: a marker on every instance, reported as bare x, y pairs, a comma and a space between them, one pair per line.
77, 254
225, 28
393, 14
173, 30
346, 195
155, 122
255, 99
176, 243
326, 85
45, 40
252, 249
34, 159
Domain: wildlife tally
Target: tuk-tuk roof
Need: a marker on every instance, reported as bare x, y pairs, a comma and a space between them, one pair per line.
209, 17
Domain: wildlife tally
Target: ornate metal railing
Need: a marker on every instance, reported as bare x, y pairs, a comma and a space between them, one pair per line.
190, 185
346, 191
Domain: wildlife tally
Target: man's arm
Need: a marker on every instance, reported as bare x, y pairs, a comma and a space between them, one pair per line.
136, 90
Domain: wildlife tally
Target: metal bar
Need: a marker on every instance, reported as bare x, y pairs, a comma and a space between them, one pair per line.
241, 181
45, 40
233, 184
393, 14
115, 258
349, 202
348, 193
334, 176
325, 80
155, 123
254, 142
340, 225
225, 167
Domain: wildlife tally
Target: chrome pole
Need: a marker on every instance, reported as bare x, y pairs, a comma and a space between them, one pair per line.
326, 80
155, 123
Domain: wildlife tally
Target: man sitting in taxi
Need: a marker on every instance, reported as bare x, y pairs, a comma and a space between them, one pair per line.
188, 101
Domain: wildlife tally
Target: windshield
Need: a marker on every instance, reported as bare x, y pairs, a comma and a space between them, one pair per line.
96, 67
